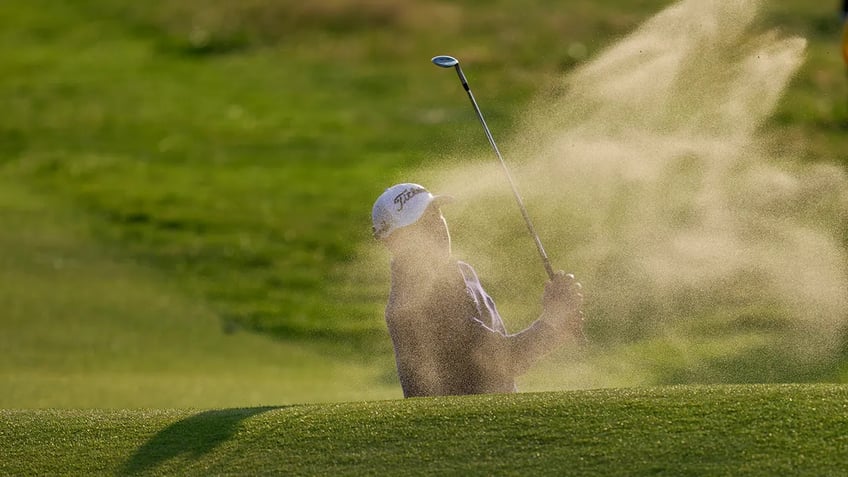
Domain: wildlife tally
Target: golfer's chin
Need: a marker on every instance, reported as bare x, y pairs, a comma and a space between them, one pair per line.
441, 251
426, 255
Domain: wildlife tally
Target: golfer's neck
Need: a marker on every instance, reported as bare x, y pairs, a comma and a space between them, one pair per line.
419, 265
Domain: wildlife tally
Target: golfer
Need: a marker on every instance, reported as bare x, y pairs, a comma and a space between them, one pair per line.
447, 334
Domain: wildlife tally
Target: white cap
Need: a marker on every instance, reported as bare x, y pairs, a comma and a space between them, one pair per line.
400, 205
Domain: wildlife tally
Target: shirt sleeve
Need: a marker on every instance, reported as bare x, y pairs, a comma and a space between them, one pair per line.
515, 353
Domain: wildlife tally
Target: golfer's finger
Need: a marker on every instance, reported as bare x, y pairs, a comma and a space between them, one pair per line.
567, 281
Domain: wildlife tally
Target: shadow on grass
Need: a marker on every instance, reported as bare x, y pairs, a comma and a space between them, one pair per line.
196, 436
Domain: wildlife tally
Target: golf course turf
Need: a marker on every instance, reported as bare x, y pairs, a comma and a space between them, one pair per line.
690, 430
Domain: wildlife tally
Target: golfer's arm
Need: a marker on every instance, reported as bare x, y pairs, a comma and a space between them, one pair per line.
407, 362
526, 347
520, 351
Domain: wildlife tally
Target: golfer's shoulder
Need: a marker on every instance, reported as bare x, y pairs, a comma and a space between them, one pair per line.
468, 272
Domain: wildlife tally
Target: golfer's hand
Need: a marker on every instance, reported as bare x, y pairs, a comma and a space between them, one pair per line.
562, 304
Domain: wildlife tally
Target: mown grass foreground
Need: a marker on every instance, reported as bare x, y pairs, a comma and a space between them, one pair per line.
724, 430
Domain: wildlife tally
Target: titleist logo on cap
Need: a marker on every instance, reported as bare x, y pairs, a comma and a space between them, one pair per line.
404, 197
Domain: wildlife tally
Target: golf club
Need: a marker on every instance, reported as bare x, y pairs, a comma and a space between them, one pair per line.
448, 62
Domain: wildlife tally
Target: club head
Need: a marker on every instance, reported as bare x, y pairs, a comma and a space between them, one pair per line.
445, 61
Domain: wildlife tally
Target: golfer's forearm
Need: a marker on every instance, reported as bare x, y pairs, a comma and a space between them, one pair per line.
526, 347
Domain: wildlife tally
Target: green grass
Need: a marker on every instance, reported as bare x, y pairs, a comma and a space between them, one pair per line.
248, 172
83, 327
752, 431
243, 165
184, 198
174, 171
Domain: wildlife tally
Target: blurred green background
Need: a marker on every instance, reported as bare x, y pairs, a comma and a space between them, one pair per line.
185, 187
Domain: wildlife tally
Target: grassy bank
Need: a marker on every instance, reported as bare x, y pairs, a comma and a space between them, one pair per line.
754, 431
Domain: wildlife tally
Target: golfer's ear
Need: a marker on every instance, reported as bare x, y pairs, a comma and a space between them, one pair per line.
391, 241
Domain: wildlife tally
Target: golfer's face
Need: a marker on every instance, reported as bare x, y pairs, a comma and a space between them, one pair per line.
432, 234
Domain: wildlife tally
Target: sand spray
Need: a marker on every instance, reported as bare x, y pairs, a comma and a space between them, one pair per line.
647, 172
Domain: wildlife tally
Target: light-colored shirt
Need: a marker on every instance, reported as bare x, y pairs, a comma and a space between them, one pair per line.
450, 339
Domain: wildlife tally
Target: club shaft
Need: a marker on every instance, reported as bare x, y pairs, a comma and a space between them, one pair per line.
545, 261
